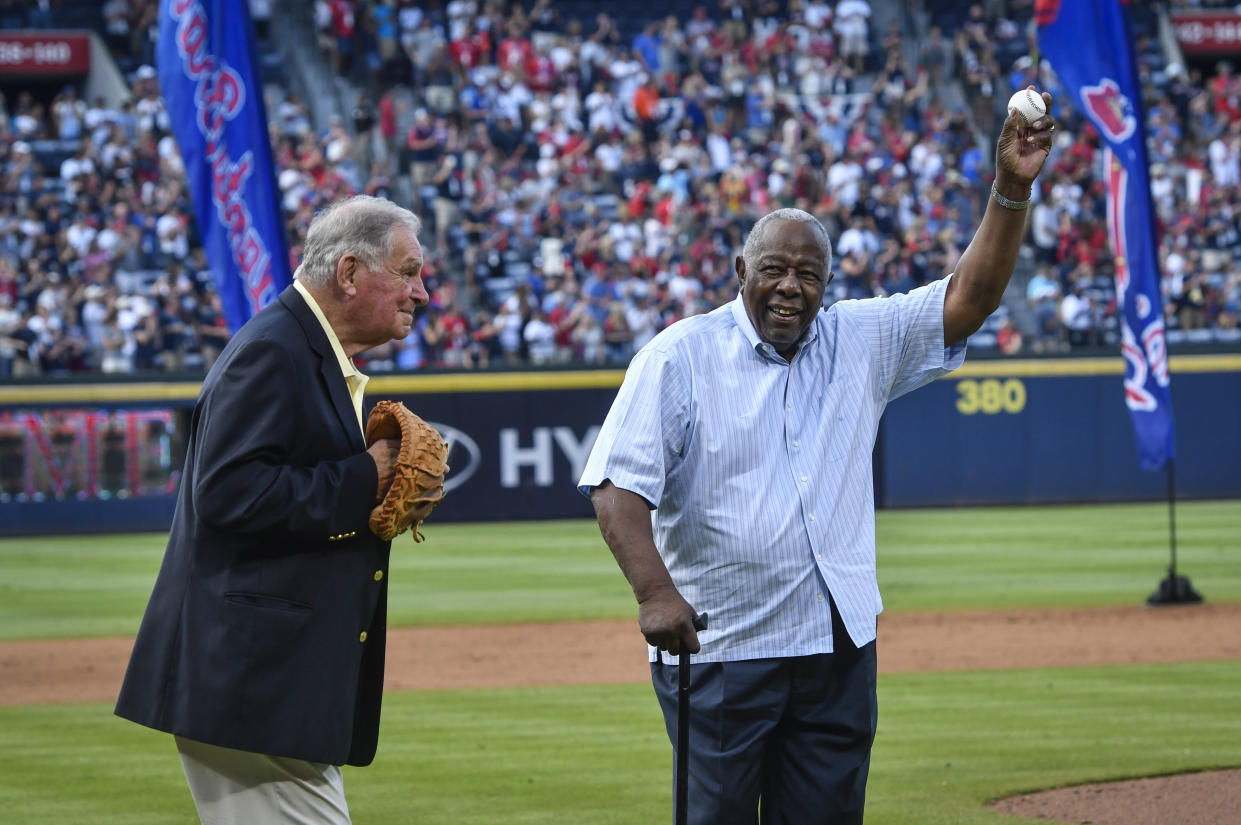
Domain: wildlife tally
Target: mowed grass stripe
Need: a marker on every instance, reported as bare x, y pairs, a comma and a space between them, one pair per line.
1097, 555
947, 744
950, 743
71, 586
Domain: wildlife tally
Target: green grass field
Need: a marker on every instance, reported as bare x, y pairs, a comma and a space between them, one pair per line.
947, 743
64, 587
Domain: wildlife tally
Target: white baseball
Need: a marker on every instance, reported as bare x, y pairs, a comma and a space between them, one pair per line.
1029, 104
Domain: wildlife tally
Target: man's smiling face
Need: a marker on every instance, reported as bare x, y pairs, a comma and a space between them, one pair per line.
782, 287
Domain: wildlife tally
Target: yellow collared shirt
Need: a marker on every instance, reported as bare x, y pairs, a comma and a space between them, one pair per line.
354, 378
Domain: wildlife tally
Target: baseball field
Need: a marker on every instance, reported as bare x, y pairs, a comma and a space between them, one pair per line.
1016, 654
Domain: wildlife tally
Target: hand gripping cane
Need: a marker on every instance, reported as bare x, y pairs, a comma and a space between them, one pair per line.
682, 756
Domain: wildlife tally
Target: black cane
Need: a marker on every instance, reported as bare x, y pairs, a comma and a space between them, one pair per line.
682, 757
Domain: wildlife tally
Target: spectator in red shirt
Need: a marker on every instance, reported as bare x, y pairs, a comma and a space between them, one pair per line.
541, 74
1226, 92
343, 30
387, 126
514, 51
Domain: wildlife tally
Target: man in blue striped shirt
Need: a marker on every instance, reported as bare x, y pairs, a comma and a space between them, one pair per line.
748, 432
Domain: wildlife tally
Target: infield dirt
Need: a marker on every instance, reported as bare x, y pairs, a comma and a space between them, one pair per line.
90, 670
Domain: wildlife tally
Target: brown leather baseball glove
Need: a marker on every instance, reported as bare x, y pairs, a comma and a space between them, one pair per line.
418, 480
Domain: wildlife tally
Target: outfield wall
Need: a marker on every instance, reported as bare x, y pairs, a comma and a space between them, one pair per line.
106, 456
1051, 431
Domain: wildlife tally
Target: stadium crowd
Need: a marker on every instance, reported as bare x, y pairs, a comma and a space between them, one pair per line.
586, 181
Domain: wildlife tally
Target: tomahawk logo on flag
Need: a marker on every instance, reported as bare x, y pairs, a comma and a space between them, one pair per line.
214, 101
1088, 45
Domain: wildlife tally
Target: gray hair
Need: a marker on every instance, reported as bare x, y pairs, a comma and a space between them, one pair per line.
758, 234
361, 225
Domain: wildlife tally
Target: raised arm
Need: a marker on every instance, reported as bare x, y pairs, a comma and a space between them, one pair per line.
986, 265
664, 617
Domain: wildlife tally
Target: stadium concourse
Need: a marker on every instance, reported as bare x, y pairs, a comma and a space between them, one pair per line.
587, 171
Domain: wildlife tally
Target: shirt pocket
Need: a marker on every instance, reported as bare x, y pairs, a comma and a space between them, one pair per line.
839, 407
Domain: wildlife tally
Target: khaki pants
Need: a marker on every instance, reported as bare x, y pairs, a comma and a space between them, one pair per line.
232, 787
446, 211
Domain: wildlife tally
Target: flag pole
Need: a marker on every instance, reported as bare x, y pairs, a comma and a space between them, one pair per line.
1174, 589
1172, 515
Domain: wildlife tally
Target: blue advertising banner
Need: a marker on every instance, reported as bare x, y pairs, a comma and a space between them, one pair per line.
515, 456
107, 457
1103, 79
1052, 433
214, 100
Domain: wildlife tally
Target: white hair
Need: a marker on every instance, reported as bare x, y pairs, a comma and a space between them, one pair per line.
361, 225
758, 235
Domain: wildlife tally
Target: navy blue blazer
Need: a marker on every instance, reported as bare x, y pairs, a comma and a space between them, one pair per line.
266, 628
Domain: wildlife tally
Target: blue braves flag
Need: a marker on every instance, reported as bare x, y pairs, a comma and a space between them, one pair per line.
1088, 45
214, 101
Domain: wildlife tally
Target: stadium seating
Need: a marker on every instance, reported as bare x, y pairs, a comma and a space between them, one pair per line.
626, 226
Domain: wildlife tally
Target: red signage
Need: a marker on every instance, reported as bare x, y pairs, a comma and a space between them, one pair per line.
48, 53
88, 454
1200, 33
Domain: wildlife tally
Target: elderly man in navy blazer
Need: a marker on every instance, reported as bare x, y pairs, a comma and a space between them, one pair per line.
262, 647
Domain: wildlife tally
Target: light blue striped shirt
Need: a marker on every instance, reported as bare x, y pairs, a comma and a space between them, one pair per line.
759, 470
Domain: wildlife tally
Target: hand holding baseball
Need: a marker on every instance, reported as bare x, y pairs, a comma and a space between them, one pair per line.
1028, 103
1025, 142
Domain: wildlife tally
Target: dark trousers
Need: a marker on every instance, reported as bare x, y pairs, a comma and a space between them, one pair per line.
778, 741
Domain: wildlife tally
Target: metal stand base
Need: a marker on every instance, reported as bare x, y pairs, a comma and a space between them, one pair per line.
1174, 589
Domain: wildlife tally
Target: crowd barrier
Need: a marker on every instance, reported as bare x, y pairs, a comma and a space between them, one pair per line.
106, 457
